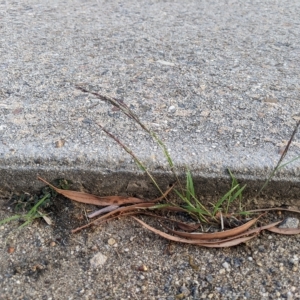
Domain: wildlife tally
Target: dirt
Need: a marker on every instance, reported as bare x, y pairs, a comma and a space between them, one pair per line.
48, 262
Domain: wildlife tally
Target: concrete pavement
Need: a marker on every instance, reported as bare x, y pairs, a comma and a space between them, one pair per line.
217, 80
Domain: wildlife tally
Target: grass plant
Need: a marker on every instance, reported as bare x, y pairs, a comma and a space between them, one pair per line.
28, 207
30, 216
190, 201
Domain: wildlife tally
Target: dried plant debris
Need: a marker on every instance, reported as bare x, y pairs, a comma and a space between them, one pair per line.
233, 228
128, 206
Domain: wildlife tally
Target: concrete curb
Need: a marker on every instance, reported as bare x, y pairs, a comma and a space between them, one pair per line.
218, 83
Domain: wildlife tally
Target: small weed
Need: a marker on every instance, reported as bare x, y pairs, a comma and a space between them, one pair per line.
28, 207
31, 215
234, 193
191, 203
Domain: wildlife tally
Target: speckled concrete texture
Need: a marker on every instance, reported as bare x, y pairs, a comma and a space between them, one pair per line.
217, 80
107, 262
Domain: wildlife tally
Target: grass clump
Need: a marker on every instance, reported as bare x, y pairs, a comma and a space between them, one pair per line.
29, 207
191, 203
31, 215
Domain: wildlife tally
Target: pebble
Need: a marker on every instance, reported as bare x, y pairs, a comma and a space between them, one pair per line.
143, 268
171, 109
289, 222
259, 263
185, 291
52, 244
111, 241
222, 271
209, 278
294, 260
94, 248
226, 265
195, 292
295, 268
281, 267
165, 63
98, 260
237, 262
81, 291
11, 250
60, 143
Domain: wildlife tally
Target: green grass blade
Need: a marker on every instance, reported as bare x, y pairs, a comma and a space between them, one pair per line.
195, 209
9, 219
220, 202
287, 163
234, 181
27, 222
279, 164
236, 195
279, 167
163, 147
184, 199
190, 191
201, 206
30, 216
33, 211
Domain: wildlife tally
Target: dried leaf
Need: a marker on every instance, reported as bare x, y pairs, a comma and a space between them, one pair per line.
92, 199
188, 227
119, 210
179, 209
103, 211
182, 225
274, 209
217, 244
47, 220
286, 231
256, 231
234, 242
215, 235
164, 194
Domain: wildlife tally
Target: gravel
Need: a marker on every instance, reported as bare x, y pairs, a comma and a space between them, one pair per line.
139, 265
